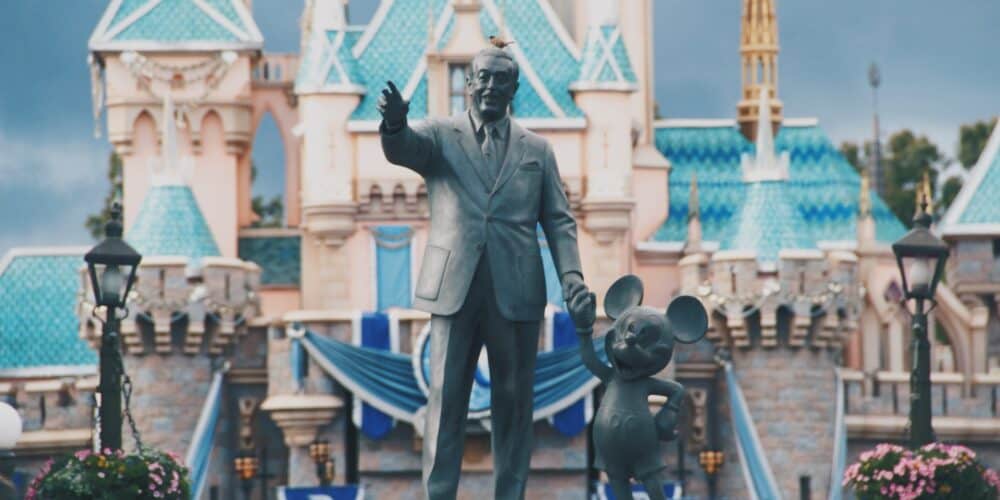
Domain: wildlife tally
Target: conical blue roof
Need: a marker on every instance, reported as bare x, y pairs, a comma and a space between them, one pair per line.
767, 223
170, 223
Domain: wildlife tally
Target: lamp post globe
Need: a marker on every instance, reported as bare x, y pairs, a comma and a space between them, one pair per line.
111, 265
921, 257
10, 427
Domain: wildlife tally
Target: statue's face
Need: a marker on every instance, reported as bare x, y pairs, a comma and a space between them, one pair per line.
640, 343
492, 85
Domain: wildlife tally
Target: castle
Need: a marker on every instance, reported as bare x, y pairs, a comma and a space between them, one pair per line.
243, 340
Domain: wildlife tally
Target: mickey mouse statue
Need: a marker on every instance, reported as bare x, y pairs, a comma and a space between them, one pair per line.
639, 344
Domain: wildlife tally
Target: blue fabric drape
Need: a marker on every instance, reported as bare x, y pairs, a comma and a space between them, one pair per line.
760, 480
839, 462
203, 440
296, 363
375, 335
572, 420
388, 382
392, 266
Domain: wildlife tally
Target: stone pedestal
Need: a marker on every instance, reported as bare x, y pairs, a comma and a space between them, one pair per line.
300, 418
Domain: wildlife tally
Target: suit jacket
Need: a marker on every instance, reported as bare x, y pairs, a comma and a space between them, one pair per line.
470, 216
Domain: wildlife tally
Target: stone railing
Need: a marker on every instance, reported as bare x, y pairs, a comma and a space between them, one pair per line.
276, 69
58, 413
877, 404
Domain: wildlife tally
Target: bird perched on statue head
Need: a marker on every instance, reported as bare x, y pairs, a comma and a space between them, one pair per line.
499, 42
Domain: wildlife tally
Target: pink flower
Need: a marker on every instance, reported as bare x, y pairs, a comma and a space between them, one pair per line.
82, 454
100, 475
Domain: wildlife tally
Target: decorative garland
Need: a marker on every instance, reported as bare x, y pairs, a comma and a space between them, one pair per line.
771, 292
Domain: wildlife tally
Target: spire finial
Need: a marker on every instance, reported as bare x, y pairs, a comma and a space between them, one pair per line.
759, 53
865, 197
766, 165
694, 205
928, 193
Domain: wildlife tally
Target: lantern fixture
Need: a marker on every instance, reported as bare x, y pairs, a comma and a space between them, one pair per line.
112, 264
920, 256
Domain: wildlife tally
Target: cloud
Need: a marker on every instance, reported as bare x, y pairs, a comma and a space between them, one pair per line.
59, 165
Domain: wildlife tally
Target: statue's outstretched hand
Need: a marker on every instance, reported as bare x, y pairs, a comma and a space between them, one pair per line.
393, 107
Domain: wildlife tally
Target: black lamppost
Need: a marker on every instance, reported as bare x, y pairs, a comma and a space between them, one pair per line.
921, 257
319, 451
111, 265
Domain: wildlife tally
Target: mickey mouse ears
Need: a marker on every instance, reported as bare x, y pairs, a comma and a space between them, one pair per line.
687, 318
624, 294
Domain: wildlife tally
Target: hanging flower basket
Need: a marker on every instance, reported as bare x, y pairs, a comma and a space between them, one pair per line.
112, 475
934, 471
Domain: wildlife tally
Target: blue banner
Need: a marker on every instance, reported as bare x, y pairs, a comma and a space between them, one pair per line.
572, 420
345, 492
670, 490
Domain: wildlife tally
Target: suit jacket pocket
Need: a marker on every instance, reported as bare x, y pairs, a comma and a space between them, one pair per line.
531, 166
532, 278
432, 272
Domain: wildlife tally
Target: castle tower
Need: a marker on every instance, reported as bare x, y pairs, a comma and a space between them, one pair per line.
759, 58
603, 90
188, 311
781, 309
202, 54
329, 86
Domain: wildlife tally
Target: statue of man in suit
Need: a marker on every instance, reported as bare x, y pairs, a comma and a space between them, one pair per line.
490, 183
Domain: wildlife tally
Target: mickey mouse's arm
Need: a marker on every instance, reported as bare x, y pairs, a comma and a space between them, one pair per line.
590, 360
666, 419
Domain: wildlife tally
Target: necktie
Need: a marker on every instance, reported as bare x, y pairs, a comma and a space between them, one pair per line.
491, 150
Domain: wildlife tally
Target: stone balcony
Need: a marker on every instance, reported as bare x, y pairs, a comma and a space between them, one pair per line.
877, 405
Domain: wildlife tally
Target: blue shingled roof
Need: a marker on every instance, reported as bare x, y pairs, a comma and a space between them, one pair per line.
976, 209
327, 63
398, 44
767, 222
605, 60
822, 189
39, 332
279, 258
176, 25
170, 223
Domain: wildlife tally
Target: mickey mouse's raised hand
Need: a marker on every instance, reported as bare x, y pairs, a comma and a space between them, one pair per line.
393, 107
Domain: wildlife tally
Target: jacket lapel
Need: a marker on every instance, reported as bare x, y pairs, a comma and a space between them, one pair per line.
515, 150
467, 139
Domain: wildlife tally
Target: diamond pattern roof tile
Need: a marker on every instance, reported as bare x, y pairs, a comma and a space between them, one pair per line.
170, 223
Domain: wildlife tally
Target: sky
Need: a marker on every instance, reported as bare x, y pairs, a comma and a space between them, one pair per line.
938, 72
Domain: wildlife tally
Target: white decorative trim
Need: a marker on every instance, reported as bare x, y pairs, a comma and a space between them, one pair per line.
734, 255
620, 86
157, 46
980, 229
660, 246
800, 122
357, 416
372, 29
221, 20
102, 25
247, 17
849, 245
414, 81
799, 254
694, 123
525, 66
338, 88
561, 32
130, 19
49, 371
950, 225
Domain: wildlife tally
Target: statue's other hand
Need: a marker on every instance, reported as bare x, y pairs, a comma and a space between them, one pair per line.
666, 424
583, 310
393, 107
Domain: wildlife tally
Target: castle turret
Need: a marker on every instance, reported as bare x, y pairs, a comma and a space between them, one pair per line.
188, 310
759, 58
329, 86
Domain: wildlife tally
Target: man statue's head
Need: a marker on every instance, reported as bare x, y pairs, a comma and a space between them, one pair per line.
492, 83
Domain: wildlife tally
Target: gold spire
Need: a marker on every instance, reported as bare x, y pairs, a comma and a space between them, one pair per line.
928, 194
759, 54
694, 207
865, 197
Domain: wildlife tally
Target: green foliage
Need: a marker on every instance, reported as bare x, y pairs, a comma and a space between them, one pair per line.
907, 158
972, 140
112, 475
858, 156
270, 212
935, 471
95, 222
949, 191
